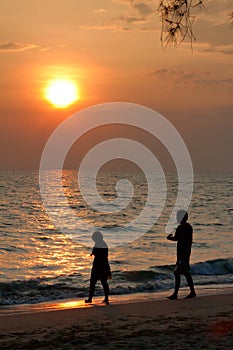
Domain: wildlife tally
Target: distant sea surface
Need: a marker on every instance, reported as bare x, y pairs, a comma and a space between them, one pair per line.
39, 263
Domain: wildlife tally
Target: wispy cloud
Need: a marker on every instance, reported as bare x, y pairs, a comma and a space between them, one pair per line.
172, 74
109, 27
221, 49
100, 10
138, 12
130, 19
214, 81
206, 47
182, 76
16, 47
216, 12
135, 16
142, 7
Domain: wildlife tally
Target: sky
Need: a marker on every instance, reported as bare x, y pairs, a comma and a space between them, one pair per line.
112, 50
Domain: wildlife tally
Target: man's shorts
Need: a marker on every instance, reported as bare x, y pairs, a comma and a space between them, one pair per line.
181, 267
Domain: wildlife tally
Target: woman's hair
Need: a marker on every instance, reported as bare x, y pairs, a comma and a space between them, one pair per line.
97, 236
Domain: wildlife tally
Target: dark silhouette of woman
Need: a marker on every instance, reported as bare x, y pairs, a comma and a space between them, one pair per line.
184, 238
100, 269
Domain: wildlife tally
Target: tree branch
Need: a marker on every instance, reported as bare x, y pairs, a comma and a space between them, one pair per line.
177, 20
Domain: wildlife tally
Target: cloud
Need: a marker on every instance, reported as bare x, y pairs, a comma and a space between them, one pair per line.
173, 74
16, 47
181, 76
150, 29
116, 25
138, 12
100, 10
136, 17
216, 12
44, 49
142, 7
113, 28
206, 47
221, 49
213, 25
130, 19
214, 81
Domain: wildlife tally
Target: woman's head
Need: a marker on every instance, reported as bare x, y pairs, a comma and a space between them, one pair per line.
97, 236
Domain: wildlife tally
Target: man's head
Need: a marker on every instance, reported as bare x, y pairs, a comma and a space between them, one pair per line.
181, 216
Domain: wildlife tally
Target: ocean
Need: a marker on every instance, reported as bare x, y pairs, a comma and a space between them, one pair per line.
38, 263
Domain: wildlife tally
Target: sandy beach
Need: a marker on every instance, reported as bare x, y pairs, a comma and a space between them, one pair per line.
205, 322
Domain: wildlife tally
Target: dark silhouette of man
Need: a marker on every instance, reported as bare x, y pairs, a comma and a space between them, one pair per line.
184, 238
100, 269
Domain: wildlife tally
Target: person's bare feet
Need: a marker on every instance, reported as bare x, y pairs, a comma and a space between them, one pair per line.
88, 301
191, 295
172, 297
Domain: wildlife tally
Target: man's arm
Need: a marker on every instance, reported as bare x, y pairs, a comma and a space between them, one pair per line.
170, 237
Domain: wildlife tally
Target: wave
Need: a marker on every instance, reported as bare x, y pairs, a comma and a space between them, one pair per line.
156, 278
217, 267
37, 290
213, 267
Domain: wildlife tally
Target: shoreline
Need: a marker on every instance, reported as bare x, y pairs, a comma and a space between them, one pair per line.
203, 322
76, 303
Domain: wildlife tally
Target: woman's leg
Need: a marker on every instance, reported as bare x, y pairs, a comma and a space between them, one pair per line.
106, 288
93, 281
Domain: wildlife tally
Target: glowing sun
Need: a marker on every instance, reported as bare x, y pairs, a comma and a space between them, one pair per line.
61, 93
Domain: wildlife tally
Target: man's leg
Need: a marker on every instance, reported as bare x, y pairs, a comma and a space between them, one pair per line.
191, 285
177, 284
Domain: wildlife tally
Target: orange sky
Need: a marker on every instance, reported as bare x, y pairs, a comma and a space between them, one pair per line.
111, 48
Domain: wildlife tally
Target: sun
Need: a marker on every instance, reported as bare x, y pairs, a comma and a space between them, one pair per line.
61, 93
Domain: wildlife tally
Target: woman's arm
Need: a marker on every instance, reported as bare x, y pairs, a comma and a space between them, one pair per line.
93, 252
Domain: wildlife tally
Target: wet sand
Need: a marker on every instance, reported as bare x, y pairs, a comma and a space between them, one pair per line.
205, 322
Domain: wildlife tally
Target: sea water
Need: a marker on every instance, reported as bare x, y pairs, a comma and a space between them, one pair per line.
38, 263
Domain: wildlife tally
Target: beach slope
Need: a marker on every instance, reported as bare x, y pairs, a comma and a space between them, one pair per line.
205, 322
